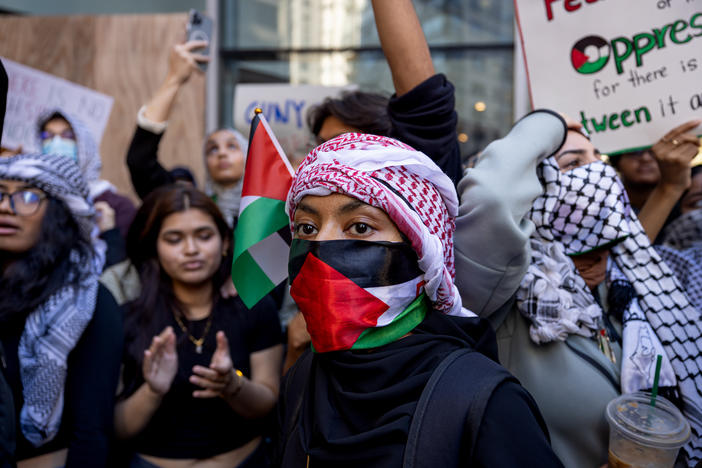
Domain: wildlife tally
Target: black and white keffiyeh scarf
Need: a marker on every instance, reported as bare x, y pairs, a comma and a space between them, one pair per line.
685, 231
54, 328
585, 209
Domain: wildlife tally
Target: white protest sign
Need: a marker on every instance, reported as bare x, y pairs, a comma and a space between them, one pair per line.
628, 70
31, 92
285, 107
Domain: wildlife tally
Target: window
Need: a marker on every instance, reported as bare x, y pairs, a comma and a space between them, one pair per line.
334, 42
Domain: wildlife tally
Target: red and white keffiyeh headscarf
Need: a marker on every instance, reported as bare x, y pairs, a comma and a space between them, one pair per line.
387, 174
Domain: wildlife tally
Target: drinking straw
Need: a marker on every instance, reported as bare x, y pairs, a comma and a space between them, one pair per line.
656, 376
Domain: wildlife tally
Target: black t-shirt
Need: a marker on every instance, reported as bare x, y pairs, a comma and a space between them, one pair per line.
188, 427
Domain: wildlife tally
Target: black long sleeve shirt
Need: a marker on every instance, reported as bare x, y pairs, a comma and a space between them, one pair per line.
91, 382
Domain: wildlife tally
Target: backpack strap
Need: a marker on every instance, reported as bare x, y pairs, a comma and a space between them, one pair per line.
452, 403
296, 386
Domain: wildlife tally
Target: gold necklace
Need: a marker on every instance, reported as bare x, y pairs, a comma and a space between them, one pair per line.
196, 341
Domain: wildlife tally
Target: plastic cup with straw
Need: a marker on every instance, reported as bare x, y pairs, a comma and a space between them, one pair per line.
645, 429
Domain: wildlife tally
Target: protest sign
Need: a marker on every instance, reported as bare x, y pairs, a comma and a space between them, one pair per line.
628, 70
31, 92
285, 107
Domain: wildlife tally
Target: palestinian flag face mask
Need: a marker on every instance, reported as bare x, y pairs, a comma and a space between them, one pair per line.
356, 294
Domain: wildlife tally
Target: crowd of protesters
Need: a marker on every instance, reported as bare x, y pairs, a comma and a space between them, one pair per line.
434, 316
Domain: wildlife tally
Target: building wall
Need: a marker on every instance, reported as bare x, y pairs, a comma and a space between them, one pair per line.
124, 56
97, 7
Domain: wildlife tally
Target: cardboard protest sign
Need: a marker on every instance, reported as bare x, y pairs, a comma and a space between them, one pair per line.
285, 107
629, 70
32, 91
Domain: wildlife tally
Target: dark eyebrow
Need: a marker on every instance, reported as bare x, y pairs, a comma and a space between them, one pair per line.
21, 187
307, 208
348, 207
579, 152
196, 230
352, 205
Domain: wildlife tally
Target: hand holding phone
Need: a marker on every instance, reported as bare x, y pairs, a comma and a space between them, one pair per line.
183, 60
199, 28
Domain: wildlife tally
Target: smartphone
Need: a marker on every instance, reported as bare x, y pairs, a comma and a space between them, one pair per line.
200, 29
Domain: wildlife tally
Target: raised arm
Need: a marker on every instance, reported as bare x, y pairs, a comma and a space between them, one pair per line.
182, 62
492, 237
403, 43
673, 153
142, 157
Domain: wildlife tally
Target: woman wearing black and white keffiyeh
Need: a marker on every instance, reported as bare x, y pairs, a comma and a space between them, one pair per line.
597, 295
596, 304
61, 332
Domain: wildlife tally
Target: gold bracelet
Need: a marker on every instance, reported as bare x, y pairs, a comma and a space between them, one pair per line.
240, 376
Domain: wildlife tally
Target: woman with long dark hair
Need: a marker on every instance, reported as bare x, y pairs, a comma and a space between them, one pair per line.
61, 332
200, 371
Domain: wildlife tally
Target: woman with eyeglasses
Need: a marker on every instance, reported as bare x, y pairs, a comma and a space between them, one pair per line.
60, 331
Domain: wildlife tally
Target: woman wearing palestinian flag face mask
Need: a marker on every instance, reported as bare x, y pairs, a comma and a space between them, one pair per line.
400, 373
595, 307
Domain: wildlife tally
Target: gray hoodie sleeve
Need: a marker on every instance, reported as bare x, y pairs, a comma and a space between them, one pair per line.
492, 235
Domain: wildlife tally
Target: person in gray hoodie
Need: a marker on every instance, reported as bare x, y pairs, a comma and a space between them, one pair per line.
549, 250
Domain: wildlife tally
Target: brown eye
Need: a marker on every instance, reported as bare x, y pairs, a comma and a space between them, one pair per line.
304, 229
360, 228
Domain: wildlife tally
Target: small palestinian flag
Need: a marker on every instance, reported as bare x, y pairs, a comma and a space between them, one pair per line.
262, 234
356, 294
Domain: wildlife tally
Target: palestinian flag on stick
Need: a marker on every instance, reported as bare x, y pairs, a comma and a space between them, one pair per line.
262, 235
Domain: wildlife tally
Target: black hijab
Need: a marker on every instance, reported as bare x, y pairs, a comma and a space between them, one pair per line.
359, 404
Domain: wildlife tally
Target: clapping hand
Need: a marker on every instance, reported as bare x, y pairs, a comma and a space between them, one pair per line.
161, 362
220, 378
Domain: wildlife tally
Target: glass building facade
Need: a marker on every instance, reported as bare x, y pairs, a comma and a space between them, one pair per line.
335, 43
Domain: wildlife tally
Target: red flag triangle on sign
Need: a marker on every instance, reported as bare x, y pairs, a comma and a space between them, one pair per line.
578, 58
319, 289
268, 173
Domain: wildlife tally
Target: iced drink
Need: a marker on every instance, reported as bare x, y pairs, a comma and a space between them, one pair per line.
644, 436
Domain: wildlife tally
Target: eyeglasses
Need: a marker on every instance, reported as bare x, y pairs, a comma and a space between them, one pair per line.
67, 134
23, 202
